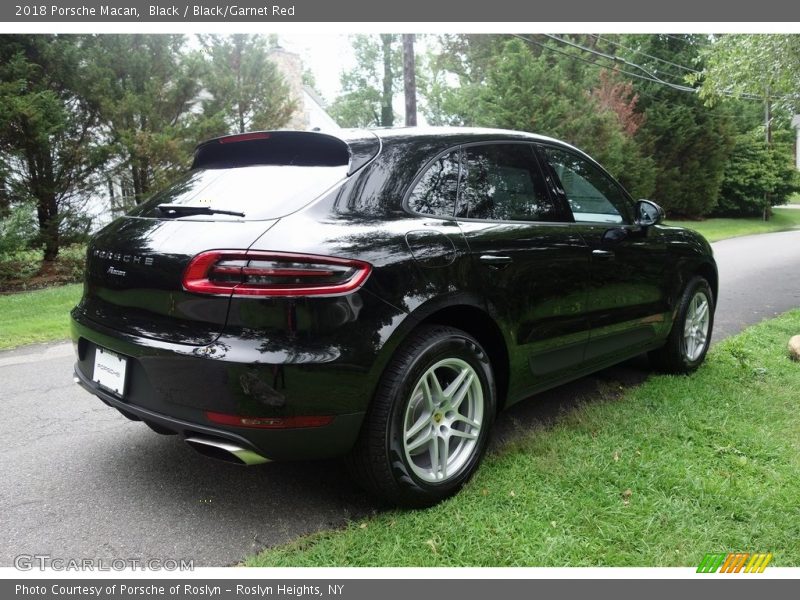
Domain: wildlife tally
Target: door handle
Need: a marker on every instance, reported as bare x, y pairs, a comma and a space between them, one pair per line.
495, 262
603, 254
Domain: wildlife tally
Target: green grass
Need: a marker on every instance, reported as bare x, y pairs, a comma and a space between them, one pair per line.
720, 229
39, 316
655, 475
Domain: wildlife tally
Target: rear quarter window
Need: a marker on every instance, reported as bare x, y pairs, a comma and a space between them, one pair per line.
436, 191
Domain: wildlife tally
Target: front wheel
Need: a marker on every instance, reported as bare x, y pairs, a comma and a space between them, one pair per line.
428, 425
690, 337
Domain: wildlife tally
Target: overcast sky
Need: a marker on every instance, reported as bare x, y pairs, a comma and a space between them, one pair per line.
325, 55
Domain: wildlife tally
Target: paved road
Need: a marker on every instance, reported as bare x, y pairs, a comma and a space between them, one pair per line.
79, 480
759, 278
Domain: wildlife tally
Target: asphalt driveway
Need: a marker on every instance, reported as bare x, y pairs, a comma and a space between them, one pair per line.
79, 480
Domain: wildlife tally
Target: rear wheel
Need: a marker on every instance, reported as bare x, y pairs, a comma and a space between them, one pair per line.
428, 425
690, 337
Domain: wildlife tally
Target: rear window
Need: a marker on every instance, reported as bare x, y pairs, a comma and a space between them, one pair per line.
259, 192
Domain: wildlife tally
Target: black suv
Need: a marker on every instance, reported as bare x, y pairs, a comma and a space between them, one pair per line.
380, 295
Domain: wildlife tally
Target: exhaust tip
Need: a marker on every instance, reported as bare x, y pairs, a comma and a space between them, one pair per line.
226, 451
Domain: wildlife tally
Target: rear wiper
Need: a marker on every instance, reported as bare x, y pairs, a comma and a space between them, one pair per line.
180, 210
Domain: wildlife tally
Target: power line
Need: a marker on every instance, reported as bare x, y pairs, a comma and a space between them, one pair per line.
574, 57
650, 56
678, 39
650, 76
589, 62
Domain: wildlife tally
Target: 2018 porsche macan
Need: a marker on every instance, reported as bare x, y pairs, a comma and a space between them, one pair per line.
380, 295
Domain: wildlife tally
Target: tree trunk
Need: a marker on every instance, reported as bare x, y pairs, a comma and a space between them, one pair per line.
240, 95
387, 112
768, 117
236, 59
41, 185
47, 213
409, 79
5, 202
140, 179
768, 134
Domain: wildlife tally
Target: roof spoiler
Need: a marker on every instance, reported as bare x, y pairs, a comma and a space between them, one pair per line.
296, 148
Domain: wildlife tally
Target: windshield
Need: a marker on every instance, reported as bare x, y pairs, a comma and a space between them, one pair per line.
259, 192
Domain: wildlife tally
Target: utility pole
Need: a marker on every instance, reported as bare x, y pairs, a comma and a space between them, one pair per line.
409, 79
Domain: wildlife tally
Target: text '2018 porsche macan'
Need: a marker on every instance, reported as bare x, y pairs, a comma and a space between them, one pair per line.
380, 295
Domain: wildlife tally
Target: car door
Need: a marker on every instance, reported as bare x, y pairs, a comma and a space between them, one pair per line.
628, 303
532, 267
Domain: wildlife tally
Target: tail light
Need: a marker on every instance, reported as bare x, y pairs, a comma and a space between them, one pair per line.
255, 273
244, 137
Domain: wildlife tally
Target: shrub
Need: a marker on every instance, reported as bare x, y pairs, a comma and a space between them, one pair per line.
71, 263
19, 267
25, 269
17, 229
754, 170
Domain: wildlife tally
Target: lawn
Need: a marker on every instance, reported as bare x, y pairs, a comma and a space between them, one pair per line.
39, 316
719, 229
655, 475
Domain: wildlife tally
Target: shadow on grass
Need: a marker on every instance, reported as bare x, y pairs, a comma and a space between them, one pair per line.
548, 407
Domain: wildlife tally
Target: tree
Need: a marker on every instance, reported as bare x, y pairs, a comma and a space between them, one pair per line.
48, 147
409, 79
368, 89
146, 88
764, 67
619, 97
689, 141
245, 91
756, 168
516, 84
761, 66
387, 110
455, 72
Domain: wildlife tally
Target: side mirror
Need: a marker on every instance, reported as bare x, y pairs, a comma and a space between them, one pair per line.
648, 213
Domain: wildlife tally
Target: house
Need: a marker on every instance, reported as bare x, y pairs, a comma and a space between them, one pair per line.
310, 113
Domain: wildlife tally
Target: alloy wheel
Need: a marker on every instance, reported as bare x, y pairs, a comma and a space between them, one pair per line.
443, 420
695, 329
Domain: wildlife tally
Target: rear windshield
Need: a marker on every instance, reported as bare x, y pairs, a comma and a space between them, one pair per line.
258, 192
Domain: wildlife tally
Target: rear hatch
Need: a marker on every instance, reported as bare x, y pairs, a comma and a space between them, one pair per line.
239, 186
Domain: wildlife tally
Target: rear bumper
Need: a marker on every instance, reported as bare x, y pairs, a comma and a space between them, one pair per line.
172, 386
282, 444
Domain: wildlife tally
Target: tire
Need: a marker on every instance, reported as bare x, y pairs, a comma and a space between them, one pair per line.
420, 444
688, 340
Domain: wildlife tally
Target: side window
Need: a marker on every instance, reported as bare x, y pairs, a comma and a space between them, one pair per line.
592, 196
435, 193
502, 182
